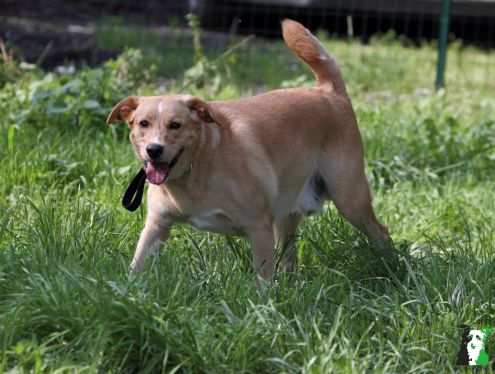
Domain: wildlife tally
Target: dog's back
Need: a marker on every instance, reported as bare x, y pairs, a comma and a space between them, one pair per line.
328, 100
304, 120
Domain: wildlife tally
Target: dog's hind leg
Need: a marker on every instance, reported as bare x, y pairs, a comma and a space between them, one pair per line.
349, 190
284, 230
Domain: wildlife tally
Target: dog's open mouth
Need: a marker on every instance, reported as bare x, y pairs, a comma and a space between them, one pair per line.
158, 172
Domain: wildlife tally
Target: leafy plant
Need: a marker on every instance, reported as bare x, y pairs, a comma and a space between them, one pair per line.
10, 70
210, 75
82, 99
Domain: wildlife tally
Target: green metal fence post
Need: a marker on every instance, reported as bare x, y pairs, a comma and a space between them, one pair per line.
442, 44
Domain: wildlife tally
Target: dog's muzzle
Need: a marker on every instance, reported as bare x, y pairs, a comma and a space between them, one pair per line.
155, 172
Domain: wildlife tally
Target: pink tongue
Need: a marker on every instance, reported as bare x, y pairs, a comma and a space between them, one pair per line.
156, 173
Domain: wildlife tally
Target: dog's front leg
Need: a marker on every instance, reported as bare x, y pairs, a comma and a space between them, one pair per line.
263, 247
156, 231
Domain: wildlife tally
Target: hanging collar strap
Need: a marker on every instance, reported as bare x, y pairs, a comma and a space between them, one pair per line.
134, 193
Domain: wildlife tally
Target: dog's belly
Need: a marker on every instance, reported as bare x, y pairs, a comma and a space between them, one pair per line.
215, 221
307, 201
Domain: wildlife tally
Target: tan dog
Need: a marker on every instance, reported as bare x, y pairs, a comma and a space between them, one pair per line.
253, 166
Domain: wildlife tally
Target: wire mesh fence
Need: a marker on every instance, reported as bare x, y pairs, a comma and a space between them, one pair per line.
471, 20
51, 33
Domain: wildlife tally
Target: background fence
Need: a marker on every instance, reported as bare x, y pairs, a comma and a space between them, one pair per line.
54, 32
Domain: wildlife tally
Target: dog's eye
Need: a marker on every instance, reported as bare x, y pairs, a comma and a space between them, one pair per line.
144, 123
174, 125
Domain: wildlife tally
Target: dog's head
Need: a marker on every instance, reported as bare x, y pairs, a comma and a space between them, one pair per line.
475, 341
165, 131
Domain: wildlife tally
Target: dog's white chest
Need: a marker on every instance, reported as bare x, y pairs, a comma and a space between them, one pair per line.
215, 221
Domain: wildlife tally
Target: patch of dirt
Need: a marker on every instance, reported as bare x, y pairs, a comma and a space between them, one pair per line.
50, 33
51, 44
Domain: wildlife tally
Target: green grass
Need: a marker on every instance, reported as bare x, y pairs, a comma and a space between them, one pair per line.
68, 304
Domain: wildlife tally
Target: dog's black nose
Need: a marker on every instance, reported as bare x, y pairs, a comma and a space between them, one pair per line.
154, 150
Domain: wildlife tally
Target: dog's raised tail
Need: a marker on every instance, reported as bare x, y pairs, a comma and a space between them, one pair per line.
309, 49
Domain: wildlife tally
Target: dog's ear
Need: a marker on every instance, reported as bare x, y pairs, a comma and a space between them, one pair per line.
200, 107
123, 110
